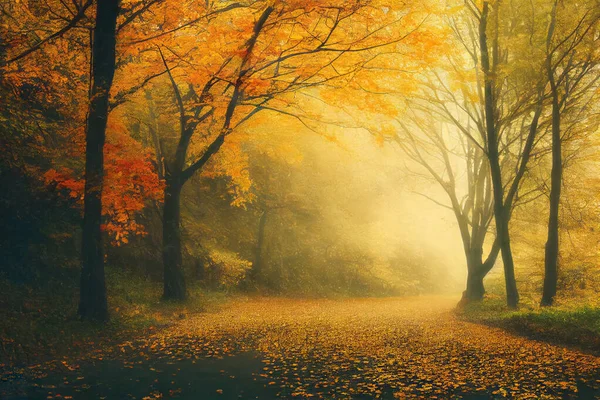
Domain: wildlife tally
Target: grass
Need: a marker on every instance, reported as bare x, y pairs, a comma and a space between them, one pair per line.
40, 323
569, 322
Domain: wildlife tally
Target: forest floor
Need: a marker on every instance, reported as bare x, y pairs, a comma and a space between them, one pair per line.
288, 348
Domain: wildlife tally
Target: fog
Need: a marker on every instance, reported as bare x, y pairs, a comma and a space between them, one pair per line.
353, 149
370, 198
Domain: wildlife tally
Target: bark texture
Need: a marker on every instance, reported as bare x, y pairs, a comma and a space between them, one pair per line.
92, 300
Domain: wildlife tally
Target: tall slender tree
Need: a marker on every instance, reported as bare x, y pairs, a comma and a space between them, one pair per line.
569, 72
62, 19
489, 68
502, 105
92, 300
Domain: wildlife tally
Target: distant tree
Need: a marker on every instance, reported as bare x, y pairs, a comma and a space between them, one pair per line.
274, 195
426, 143
493, 95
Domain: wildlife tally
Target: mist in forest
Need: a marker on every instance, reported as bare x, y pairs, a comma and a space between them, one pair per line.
370, 206
343, 215
366, 150
303, 149
242, 199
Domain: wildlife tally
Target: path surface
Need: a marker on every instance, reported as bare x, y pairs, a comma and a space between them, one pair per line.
363, 348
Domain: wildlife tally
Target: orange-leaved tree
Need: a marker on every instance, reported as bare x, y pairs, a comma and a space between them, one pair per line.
66, 51
256, 59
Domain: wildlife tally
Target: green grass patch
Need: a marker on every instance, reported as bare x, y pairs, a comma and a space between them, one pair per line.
567, 323
41, 322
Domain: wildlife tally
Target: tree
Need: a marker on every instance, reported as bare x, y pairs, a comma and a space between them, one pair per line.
501, 110
437, 152
260, 69
492, 94
92, 300
65, 21
568, 73
176, 173
500, 211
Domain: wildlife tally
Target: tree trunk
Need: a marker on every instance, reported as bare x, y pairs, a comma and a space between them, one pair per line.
92, 297
257, 267
475, 275
501, 214
174, 281
475, 289
552, 244
200, 270
512, 294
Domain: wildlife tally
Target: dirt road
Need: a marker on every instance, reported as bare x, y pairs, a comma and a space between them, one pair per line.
287, 348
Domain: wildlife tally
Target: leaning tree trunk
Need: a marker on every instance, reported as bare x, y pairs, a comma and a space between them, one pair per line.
552, 244
92, 298
501, 214
174, 281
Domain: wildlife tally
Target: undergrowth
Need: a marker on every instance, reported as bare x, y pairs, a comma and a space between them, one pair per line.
571, 321
40, 321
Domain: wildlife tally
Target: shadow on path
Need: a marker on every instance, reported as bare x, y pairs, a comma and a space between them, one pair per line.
231, 377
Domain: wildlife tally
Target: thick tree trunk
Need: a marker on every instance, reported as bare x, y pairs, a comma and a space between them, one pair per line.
174, 281
92, 298
477, 271
551, 266
501, 214
552, 244
475, 289
475, 275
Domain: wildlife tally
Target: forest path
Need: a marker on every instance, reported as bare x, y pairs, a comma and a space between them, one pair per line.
357, 348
